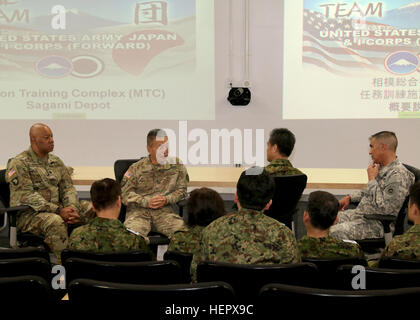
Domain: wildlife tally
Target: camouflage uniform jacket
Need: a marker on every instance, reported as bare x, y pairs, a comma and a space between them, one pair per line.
105, 235
44, 185
406, 246
246, 237
281, 167
328, 247
186, 241
386, 193
144, 180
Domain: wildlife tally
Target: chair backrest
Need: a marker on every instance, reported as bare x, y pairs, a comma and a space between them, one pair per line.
31, 289
120, 168
27, 252
393, 263
184, 261
379, 278
4, 189
148, 272
148, 297
288, 191
248, 279
321, 298
399, 223
129, 256
26, 266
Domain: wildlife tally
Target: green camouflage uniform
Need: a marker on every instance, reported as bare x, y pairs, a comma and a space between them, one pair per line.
106, 235
281, 167
328, 247
186, 241
46, 187
144, 180
405, 246
246, 237
383, 195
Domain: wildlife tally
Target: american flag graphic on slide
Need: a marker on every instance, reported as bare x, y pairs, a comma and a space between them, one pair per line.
325, 48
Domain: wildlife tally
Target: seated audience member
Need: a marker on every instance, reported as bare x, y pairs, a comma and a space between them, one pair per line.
385, 192
106, 233
279, 147
204, 205
407, 246
319, 216
248, 236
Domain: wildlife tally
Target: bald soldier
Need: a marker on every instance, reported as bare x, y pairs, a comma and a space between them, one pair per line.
150, 186
389, 182
41, 181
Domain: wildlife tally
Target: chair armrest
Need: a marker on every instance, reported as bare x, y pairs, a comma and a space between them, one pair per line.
386, 220
14, 209
181, 204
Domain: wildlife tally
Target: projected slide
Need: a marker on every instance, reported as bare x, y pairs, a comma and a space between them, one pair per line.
95, 59
351, 59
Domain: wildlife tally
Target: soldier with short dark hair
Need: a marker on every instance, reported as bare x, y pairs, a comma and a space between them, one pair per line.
319, 216
407, 246
279, 147
385, 192
248, 236
151, 185
41, 181
106, 233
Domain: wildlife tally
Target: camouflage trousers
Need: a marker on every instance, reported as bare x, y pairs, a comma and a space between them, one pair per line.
353, 226
52, 227
143, 220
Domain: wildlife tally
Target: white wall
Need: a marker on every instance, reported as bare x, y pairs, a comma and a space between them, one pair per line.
320, 143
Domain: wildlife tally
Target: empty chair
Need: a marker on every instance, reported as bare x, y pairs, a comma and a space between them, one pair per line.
327, 269
27, 252
394, 263
150, 272
377, 279
184, 261
248, 279
273, 294
129, 256
26, 289
26, 266
87, 291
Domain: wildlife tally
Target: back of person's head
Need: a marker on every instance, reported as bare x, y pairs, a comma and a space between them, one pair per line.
255, 188
388, 138
153, 134
204, 205
414, 194
322, 209
284, 139
104, 193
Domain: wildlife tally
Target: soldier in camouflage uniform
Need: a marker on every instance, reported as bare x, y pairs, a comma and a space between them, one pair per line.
41, 181
248, 236
279, 147
106, 233
151, 185
407, 246
319, 216
203, 207
385, 193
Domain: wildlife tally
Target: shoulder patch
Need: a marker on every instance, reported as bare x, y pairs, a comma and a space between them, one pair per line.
132, 231
15, 181
11, 172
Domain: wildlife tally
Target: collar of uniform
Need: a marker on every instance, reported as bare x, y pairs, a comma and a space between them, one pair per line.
414, 229
321, 239
248, 211
384, 170
282, 162
158, 165
36, 158
113, 223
